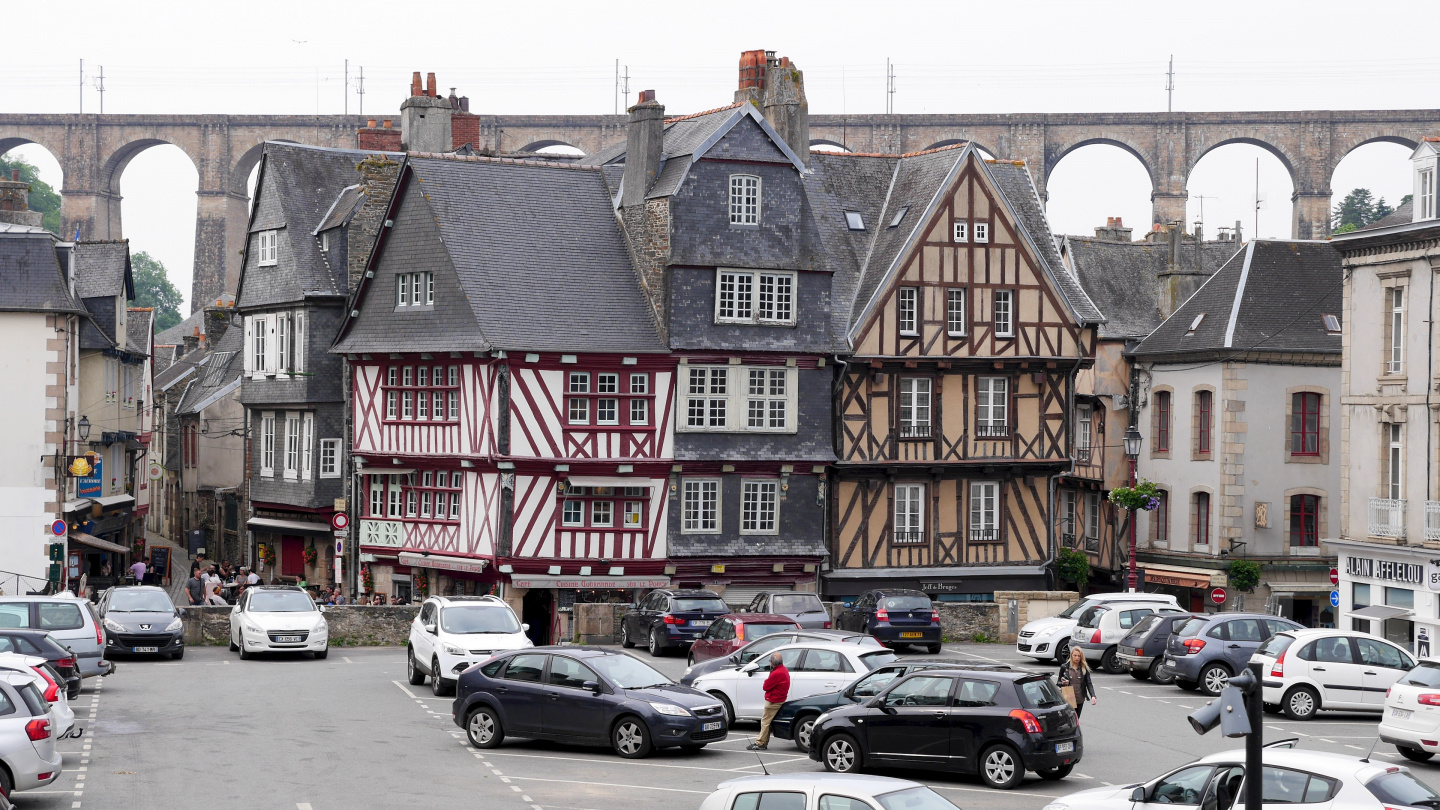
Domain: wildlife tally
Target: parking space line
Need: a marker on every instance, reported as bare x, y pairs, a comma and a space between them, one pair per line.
632, 787
768, 764
990, 791
598, 761
302, 806
403, 689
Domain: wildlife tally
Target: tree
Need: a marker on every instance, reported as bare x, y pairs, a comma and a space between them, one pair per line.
1357, 210
153, 289
1244, 574
42, 197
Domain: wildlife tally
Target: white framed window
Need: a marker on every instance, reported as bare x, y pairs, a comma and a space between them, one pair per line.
707, 397
984, 511
992, 407
415, 289
1425, 202
455, 481
412, 503
1092, 521
634, 515
1068, 510
744, 199
700, 505
854, 221
297, 341
962, 231
767, 403
578, 410
1084, 415
307, 441
607, 409
955, 311
1004, 313
329, 458
269, 248
402, 290
915, 407
763, 398
292, 445
602, 514
325, 242
982, 232
377, 497
1396, 361
256, 336
639, 405
267, 444
907, 310
1394, 462
573, 513
397, 498
909, 514
747, 296
760, 507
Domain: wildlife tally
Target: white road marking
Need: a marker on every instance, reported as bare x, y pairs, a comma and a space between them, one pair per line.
990, 791
1322, 739
771, 763
526, 799
346, 659
302, 806
1356, 747
601, 761
632, 787
403, 689
1108, 784
1080, 776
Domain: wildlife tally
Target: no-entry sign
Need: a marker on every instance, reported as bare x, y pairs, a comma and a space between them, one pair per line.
1334, 576
340, 521
1217, 596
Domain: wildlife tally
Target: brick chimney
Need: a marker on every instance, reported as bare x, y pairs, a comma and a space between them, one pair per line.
777, 87
1114, 231
643, 142
425, 119
15, 202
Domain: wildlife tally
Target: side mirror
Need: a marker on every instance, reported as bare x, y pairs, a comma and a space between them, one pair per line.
525, 627
1138, 794
593, 686
323, 608
179, 611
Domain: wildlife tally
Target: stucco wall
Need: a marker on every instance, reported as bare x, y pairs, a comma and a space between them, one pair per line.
23, 481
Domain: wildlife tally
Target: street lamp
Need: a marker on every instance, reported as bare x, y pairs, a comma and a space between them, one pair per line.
84, 427
1132, 441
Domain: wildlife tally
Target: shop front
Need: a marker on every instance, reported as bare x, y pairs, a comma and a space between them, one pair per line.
738, 579
547, 602
292, 550
1389, 591
1190, 586
941, 584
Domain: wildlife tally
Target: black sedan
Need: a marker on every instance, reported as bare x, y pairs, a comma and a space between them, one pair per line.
41, 643
141, 619
995, 724
797, 717
583, 695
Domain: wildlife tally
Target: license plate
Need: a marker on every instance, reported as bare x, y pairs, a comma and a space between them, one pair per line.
1401, 713
1064, 748
287, 639
715, 726
144, 649
912, 635
699, 622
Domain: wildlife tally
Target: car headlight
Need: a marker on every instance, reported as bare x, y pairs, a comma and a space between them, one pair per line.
451, 649
177, 624
250, 628
671, 709
114, 627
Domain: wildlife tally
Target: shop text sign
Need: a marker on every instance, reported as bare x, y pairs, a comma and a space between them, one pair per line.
1411, 573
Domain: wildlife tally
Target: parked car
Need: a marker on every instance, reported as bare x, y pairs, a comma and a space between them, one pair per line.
70, 620
1099, 628
997, 724
27, 736
451, 633
278, 618
815, 667
42, 644
583, 695
48, 682
141, 619
668, 618
1307, 670
1206, 650
1142, 651
1411, 721
823, 791
1049, 638
805, 608
796, 718
755, 649
1292, 776
732, 631
894, 616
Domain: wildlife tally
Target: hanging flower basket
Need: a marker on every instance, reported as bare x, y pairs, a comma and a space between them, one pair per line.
422, 584
311, 555
1143, 497
367, 580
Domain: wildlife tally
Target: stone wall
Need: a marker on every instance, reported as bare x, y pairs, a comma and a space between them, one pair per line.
350, 625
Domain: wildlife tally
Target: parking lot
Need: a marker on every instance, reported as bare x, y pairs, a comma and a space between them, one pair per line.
291, 732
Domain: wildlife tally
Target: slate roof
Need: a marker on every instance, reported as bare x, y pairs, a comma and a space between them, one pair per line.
534, 246
1267, 298
344, 206
139, 324
695, 545
1122, 278
31, 278
175, 335
1400, 216
176, 372
217, 373
103, 268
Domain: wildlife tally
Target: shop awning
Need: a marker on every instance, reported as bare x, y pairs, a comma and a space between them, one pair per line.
1381, 612
539, 581
95, 542
299, 526
75, 506
1176, 575
115, 500
608, 481
385, 471
1309, 588
935, 572
464, 565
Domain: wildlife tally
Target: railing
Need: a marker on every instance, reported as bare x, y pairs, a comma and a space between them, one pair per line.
14, 584
1082, 455
915, 431
992, 431
388, 533
1432, 520
908, 538
1092, 544
983, 536
1387, 517
1067, 540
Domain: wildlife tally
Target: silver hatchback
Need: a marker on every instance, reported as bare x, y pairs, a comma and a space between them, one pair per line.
68, 619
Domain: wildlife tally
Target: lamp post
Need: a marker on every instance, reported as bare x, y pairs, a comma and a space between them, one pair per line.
1132, 451
84, 426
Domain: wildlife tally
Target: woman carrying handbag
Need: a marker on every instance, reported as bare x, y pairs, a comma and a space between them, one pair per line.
1074, 681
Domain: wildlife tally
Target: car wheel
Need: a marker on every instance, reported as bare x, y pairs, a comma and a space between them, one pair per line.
1301, 703
1413, 754
1158, 672
690, 660
1110, 662
803, 727
656, 648
7, 782
177, 655
625, 636
1062, 651
244, 653
1054, 774
1188, 686
630, 738
1001, 767
322, 654
483, 728
842, 755
233, 646
438, 685
933, 649
1140, 674
1214, 678
729, 710
412, 671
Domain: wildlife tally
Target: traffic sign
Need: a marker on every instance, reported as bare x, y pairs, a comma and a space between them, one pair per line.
1217, 596
59, 528
156, 471
1334, 576
340, 520
1334, 599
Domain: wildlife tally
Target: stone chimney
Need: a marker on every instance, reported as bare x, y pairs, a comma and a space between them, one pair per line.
425, 118
217, 320
378, 183
1114, 231
1180, 278
777, 87
643, 142
15, 202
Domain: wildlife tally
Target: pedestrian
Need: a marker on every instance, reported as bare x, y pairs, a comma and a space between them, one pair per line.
1075, 682
138, 569
212, 591
777, 689
340, 596
251, 578
194, 588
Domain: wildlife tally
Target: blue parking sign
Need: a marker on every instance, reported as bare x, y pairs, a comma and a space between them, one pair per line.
1334, 599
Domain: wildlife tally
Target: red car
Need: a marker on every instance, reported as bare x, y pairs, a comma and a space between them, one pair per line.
734, 630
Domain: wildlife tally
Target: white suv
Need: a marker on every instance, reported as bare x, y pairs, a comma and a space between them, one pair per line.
1049, 638
452, 632
1304, 671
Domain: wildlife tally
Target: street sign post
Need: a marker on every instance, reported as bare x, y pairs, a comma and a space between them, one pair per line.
1217, 595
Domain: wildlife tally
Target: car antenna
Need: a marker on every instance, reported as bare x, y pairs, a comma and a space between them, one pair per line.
767, 770
1366, 758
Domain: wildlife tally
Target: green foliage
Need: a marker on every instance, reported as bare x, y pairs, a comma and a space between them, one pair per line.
1346, 228
1073, 567
1143, 496
1244, 575
1357, 210
43, 198
980, 637
153, 289
1407, 198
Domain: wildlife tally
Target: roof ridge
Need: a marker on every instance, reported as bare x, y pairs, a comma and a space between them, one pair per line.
559, 164
102, 241
705, 112
945, 148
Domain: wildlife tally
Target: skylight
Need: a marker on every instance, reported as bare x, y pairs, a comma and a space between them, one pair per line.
854, 221
899, 215
1332, 323
1195, 324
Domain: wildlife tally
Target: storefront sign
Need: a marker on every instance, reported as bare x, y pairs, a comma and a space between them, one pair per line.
583, 583
1370, 568
90, 486
946, 587
1432, 575
464, 565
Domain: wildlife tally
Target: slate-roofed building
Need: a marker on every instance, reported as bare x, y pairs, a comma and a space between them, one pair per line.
210, 424
1238, 394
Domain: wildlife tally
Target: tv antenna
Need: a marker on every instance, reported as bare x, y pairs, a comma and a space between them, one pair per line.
1170, 85
889, 87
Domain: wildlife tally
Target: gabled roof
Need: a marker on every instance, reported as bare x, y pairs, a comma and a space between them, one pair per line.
103, 268
1400, 216
1270, 297
218, 373
139, 327
31, 278
1122, 278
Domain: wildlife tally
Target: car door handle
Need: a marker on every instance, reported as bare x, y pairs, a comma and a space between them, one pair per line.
940, 714
1234, 646
1318, 669
1368, 672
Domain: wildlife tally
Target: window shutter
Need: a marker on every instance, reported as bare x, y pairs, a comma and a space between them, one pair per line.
272, 344
249, 346
308, 439
299, 338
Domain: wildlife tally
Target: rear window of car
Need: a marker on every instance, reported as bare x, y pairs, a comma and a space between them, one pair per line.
905, 602
1187, 627
878, 659
60, 616
1426, 674
761, 629
916, 798
712, 604
1146, 625
1275, 646
33, 699
1038, 693
1091, 617
770, 800
1401, 788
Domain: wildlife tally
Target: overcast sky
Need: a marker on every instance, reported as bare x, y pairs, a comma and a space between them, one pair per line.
559, 57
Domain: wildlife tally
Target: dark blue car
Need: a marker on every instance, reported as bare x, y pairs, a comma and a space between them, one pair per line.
583, 695
670, 619
894, 616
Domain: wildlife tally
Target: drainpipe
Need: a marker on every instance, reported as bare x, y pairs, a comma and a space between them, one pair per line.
1429, 388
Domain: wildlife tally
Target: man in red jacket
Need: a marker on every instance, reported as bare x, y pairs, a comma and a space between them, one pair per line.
777, 689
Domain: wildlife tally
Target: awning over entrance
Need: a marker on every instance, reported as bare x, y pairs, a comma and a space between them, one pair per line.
464, 565
936, 579
75, 506
95, 542
1176, 575
1381, 612
296, 526
608, 481
1313, 589
115, 500
525, 581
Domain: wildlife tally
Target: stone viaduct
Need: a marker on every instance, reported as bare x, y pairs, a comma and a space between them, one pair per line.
93, 151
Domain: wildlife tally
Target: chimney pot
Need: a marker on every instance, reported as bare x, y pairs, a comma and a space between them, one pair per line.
415, 84
15, 175
430, 85
371, 123
646, 97
387, 123
644, 138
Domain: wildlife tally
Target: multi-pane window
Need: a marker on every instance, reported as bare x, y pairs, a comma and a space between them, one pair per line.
424, 393
1162, 421
425, 495
759, 507
639, 403
1204, 420
707, 397
602, 507
962, 231
578, 409
761, 398
746, 296
307, 441
915, 407
1395, 354
700, 505
415, 289
992, 418
767, 402
1092, 521
982, 232
275, 343
1201, 505
268, 253
377, 497
267, 444
984, 511
606, 395
1084, 418
1069, 508
1425, 204
1305, 424
1304, 520
1394, 462
955, 311
329, 458
607, 408
909, 513
1160, 518
292, 445
744, 199
907, 312
1004, 313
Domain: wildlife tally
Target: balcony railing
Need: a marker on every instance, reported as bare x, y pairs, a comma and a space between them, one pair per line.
388, 533
1067, 540
909, 538
1432, 520
992, 431
914, 431
1092, 544
983, 536
1387, 517
1082, 455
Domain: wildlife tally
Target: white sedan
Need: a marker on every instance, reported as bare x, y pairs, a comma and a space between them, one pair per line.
815, 667
1411, 721
1290, 776
47, 682
278, 619
824, 791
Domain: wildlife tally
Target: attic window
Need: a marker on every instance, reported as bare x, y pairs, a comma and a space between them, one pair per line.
899, 215
325, 242
1195, 324
269, 248
1332, 324
854, 221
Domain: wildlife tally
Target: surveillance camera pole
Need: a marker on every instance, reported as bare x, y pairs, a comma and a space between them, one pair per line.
1246, 687
1255, 741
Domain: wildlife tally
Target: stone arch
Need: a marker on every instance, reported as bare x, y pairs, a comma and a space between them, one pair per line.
1339, 150
827, 142
1055, 154
113, 166
1288, 161
536, 146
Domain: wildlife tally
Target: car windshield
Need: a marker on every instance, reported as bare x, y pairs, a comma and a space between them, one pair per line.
1276, 646
127, 601
478, 619
626, 672
1039, 693
760, 629
1426, 674
280, 602
905, 602
916, 798
711, 604
1402, 788
1070, 612
878, 659
796, 603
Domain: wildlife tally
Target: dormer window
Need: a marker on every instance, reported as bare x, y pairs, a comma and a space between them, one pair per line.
325, 242
1425, 199
744, 199
962, 231
854, 221
269, 248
